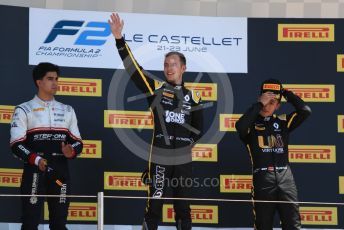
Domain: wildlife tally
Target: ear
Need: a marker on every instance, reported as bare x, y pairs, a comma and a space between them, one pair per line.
183, 68
278, 106
38, 82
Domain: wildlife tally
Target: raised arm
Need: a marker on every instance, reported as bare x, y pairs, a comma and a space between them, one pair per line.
302, 111
135, 71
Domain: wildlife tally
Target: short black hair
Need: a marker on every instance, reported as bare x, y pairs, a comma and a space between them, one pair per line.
180, 55
42, 69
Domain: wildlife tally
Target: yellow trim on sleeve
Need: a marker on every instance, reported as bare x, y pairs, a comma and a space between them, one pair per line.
291, 119
139, 70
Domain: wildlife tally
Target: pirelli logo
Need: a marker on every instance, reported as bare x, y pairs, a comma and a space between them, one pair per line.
340, 62
271, 87
204, 152
128, 119
312, 153
208, 91
79, 87
313, 93
306, 32
6, 112
227, 122
77, 211
341, 185
340, 123
235, 183
319, 215
200, 214
10, 177
91, 149
123, 181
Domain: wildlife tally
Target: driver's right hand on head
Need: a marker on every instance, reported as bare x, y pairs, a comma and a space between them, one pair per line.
265, 98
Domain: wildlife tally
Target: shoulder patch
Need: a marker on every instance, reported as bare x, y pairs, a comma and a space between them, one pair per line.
26, 106
196, 96
282, 117
158, 84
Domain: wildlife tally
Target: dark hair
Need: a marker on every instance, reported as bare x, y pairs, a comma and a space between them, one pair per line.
42, 69
180, 55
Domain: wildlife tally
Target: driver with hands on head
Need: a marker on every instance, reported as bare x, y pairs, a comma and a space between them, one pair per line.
266, 137
45, 136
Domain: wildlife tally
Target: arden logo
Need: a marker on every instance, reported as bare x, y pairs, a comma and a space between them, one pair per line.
201, 214
312, 153
340, 62
236, 183
92, 149
313, 93
77, 211
227, 122
306, 32
208, 91
319, 215
340, 123
128, 119
79, 87
204, 152
10, 177
6, 112
123, 181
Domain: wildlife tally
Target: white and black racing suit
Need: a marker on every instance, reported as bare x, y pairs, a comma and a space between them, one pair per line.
38, 129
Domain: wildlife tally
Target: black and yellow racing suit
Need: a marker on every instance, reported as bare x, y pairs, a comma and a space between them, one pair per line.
177, 115
266, 139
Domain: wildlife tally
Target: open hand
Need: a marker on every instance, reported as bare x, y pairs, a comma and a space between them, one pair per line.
116, 25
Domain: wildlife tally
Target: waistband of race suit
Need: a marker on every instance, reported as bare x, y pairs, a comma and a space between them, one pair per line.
270, 169
50, 154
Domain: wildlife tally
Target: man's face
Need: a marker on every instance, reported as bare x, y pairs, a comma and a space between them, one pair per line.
173, 69
270, 108
48, 84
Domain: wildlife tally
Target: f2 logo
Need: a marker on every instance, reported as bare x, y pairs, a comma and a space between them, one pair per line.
83, 39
